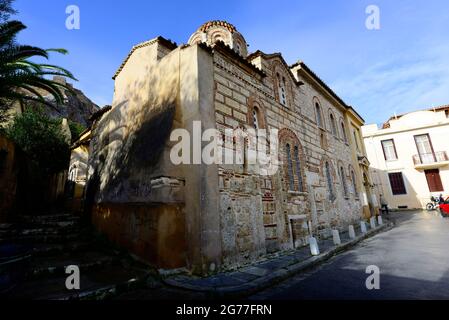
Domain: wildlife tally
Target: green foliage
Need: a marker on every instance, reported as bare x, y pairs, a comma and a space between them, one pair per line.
42, 139
6, 9
21, 79
76, 129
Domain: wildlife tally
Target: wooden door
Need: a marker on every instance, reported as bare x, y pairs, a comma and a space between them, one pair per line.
434, 180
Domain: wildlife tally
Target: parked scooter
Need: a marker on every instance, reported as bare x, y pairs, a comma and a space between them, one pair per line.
435, 203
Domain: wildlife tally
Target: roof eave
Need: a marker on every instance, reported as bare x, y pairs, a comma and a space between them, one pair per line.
313, 75
259, 53
166, 42
222, 47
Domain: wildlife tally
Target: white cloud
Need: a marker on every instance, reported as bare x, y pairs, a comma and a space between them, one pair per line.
400, 84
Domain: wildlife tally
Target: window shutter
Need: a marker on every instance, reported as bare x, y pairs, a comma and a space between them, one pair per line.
397, 183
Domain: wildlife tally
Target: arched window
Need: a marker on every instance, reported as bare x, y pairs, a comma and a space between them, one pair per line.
298, 170
354, 184
218, 37
291, 179
343, 181
282, 89
73, 173
292, 157
330, 185
333, 126
343, 130
319, 120
238, 49
256, 115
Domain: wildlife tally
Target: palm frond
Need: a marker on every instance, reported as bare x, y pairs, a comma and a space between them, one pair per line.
24, 80
58, 50
61, 71
17, 52
9, 30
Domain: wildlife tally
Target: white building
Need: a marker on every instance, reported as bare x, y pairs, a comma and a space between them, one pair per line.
409, 157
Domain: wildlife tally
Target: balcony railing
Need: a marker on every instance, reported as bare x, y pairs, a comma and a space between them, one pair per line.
430, 158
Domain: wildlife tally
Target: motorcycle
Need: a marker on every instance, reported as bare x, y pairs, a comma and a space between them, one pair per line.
433, 205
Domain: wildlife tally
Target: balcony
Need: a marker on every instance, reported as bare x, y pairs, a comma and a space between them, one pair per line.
431, 160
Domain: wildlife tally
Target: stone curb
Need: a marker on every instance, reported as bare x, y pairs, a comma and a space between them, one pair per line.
277, 276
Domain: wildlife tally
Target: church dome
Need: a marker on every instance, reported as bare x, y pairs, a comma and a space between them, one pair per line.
213, 31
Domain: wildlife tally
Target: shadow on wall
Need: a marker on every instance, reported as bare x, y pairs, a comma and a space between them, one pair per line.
382, 186
125, 160
130, 149
133, 135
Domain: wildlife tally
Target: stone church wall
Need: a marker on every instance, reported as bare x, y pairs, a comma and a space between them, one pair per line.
259, 214
214, 216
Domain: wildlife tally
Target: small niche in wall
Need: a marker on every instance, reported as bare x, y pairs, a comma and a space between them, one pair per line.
323, 141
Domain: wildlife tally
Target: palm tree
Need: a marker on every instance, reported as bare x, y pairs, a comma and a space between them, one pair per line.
6, 10
21, 79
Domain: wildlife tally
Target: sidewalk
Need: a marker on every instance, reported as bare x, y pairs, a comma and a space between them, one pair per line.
261, 275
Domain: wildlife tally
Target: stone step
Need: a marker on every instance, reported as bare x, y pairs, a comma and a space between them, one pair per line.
55, 265
35, 231
44, 238
5, 226
36, 250
38, 231
51, 218
52, 249
57, 224
45, 250
95, 284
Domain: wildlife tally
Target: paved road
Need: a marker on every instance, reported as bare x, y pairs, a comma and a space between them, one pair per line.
413, 259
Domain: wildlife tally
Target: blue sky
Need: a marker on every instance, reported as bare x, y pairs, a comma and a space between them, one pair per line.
404, 66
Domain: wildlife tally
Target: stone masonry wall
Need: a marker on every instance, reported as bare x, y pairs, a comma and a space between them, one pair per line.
261, 214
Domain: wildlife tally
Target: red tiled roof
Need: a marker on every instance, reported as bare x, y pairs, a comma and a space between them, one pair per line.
210, 24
